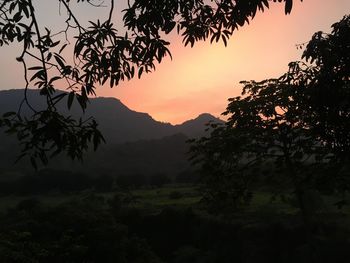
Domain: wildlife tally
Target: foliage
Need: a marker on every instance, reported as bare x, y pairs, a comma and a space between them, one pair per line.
292, 131
329, 93
76, 231
101, 53
92, 230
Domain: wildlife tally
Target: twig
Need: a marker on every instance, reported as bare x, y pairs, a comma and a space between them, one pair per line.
111, 11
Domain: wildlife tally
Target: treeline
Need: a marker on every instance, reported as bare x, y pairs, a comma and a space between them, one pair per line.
49, 180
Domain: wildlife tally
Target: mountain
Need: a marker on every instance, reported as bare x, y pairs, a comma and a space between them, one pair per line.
136, 143
117, 122
196, 127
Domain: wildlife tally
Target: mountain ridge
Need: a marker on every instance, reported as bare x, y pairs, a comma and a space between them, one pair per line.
117, 122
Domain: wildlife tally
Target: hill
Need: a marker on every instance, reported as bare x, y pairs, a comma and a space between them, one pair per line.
136, 143
118, 123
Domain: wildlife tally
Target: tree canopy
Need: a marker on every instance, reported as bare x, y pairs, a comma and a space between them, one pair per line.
292, 132
102, 52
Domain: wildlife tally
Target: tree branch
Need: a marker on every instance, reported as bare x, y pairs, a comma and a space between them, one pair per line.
111, 11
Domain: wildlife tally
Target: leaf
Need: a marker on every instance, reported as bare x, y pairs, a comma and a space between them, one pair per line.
82, 102
224, 39
49, 56
140, 72
62, 48
54, 79
213, 37
55, 43
59, 60
111, 82
17, 17
25, 11
39, 74
288, 6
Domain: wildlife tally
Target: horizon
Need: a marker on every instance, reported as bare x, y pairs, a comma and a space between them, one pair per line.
221, 117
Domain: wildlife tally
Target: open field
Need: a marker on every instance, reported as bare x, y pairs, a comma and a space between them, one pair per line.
176, 195
169, 195
168, 224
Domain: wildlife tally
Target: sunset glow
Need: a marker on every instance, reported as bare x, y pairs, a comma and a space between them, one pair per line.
201, 79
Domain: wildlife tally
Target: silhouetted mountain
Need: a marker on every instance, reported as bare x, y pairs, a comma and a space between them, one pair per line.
136, 143
196, 127
118, 123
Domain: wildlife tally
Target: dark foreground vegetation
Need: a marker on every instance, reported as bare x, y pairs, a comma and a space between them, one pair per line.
165, 225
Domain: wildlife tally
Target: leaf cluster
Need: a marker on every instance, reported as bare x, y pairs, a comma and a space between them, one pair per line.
48, 133
196, 19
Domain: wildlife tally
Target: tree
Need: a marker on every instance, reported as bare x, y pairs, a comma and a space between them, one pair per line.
293, 130
101, 53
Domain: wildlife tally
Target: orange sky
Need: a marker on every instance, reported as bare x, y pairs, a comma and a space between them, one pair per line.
201, 79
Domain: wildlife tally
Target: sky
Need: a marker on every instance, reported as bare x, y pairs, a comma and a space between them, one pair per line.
202, 78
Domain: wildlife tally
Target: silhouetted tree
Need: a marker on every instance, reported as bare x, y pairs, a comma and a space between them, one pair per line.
101, 53
296, 127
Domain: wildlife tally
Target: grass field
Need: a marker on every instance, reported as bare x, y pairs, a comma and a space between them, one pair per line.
169, 195
174, 195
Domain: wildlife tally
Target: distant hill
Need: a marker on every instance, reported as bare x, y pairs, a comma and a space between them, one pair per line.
168, 155
136, 143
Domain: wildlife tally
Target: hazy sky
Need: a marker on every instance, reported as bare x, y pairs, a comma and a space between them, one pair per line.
201, 79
